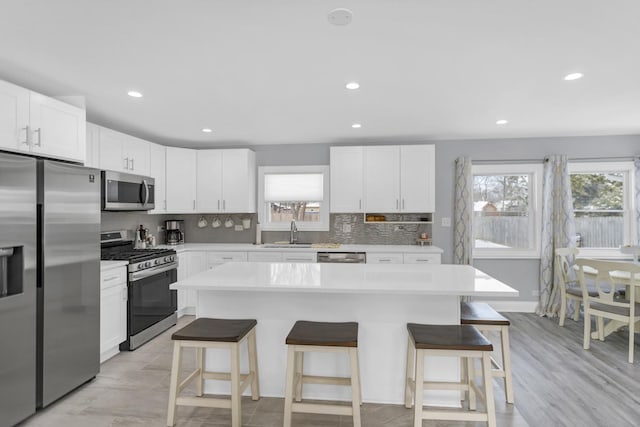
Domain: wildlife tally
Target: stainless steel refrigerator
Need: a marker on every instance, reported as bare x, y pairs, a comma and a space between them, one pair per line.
49, 282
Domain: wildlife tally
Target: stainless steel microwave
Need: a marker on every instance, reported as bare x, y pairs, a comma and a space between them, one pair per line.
126, 192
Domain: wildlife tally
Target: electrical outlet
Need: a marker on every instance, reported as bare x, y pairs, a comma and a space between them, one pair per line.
239, 227
160, 228
346, 228
446, 222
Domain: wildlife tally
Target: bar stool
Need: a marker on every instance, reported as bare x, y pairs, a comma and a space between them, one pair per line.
463, 341
486, 319
206, 333
321, 337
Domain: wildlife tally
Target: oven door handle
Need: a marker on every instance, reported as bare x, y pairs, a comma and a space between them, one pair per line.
138, 275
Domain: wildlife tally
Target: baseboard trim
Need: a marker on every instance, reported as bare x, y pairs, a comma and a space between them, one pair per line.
514, 306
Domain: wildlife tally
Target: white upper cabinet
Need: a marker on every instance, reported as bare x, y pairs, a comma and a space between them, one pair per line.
123, 153
157, 170
14, 117
417, 178
400, 178
209, 181
181, 180
382, 179
226, 181
238, 181
347, 174
36, 124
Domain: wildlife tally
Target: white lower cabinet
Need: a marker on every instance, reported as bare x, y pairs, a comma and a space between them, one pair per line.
421, 258
264, 256
113, 310
299, 257
384, 258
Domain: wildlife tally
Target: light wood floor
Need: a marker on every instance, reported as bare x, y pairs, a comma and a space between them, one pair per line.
556, 384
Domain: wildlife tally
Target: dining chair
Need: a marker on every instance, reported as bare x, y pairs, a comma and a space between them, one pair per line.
605, 306
569, 287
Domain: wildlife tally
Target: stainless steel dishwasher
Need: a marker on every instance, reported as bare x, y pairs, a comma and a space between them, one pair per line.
342, 257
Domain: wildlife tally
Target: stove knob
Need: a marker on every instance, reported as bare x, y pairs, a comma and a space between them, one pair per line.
168, 258
140, 266
147, 264
156, 262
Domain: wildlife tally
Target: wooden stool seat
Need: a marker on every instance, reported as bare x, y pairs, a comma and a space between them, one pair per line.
487, 320
226, 334
222, 330
462, 341
480, 313
324, 334
448, 337
308, 336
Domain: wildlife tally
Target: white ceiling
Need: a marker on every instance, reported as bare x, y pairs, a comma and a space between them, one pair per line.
273, 71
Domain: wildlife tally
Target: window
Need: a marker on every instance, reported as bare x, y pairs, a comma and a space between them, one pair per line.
603, 206
294, 192
506, 210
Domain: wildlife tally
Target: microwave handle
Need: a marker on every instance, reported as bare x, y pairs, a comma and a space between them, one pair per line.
146, 192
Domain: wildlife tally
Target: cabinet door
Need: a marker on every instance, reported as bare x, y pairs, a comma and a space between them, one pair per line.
14, 117
157, 170
238, 181
111, 150
92, 158
382, 179
299, 257
183, 273
137, 152
209, 181
113, 317
58, 129
181, 180
347, 176
417, 178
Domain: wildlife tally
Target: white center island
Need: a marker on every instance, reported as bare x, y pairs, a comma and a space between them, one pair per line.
382, 298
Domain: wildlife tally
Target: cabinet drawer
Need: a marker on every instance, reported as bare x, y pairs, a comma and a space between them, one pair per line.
222, 257
298, 257
421, 258
113, 277
382, 258
265, 256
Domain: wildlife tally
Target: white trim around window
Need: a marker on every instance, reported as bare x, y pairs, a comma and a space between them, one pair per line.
321, 225
535, 171
627, 169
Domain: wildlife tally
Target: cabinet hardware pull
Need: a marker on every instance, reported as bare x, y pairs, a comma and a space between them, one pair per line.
360, 204
111, 278
126, 163
224, 205
132, 167
297, 259
26, 135
39, 132
402, 203
397, 204
385, 259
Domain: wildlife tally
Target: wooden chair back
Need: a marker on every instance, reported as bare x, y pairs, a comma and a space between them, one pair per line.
563, 259
605, 282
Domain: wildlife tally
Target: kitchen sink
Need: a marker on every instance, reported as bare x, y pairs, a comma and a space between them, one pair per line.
287, 245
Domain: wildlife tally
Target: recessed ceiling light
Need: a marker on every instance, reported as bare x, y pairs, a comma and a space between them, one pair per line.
356, 125
502, 122
207, 130
573, 76
134, 94
352, 85
340, 16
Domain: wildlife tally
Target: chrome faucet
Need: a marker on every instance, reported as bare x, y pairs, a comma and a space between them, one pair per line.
293, 235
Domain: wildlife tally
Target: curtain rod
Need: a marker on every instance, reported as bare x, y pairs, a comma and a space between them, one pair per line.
571, 159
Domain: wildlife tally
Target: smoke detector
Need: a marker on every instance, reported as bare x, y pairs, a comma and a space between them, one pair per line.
340, 16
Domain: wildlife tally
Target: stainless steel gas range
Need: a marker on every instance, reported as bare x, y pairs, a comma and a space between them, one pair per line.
151, 306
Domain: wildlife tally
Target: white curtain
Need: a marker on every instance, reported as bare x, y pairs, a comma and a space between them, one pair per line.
462, 213
636, 162
558, 228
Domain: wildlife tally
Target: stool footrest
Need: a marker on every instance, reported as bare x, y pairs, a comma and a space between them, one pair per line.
209, 402
454, 415
321, 408
315, 379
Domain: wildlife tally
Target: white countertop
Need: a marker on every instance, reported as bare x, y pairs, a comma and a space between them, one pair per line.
246, 247
418, 279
